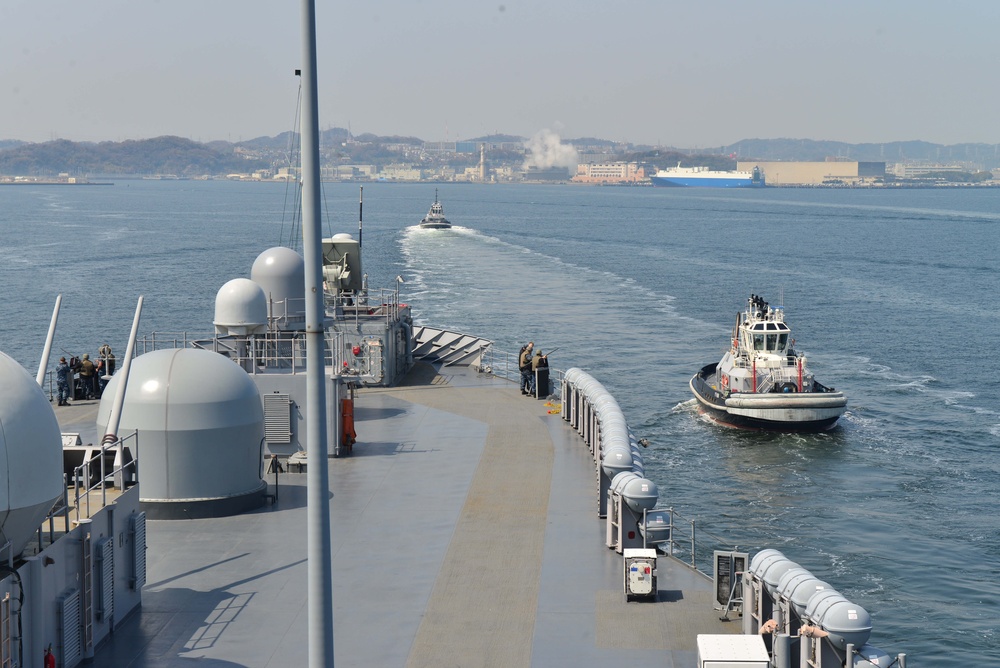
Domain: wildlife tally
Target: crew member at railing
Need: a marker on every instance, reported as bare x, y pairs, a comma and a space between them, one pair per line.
539, 363
524, 366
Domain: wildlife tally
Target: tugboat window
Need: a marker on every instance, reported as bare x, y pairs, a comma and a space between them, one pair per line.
758, 342
772, 339
782, 341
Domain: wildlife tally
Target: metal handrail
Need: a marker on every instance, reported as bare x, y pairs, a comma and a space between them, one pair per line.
269, 349
688, 547
503, 364
126, 471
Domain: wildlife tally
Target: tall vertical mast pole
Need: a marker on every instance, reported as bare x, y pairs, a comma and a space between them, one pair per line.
320, 576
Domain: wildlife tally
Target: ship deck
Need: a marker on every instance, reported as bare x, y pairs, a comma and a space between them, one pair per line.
465, 533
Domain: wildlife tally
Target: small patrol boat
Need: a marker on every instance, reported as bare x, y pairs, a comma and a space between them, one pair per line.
435, 220
762, 382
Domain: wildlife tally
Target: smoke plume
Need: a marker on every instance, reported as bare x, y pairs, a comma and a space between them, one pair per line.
547, 150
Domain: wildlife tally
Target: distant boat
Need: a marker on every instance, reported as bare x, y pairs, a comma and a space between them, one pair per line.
435, 220
703, 177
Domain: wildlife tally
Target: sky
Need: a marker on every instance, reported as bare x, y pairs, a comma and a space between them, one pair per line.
691, 74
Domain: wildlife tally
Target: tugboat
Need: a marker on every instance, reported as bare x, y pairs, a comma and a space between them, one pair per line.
435, 220
762, 382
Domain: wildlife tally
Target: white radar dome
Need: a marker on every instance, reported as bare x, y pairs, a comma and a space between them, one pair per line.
281, 273
30, 455
200, 425
240, 308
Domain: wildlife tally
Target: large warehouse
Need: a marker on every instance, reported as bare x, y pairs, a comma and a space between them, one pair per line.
816, 173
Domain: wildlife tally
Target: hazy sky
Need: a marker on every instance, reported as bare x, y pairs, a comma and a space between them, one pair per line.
697, 73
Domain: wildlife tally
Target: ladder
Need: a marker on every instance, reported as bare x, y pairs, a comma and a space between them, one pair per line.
735, 601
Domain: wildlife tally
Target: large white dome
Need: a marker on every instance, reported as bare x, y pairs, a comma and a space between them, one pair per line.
201, 431
281, 273
240, 308
30, 455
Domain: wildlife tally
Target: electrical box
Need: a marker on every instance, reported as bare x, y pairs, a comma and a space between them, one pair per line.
732, 651
640, 574
727, 579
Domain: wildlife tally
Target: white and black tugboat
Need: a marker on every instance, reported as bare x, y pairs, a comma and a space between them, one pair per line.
435, 220
762, 382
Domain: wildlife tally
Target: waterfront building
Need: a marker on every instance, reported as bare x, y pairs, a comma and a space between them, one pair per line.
903, 170
610, 172
848, 172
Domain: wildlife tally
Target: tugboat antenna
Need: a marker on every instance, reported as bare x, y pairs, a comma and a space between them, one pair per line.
361, 206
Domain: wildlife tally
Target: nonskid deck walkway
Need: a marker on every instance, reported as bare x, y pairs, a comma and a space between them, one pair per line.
465, 533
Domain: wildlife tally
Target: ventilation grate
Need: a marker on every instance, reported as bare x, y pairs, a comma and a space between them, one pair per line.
277, 418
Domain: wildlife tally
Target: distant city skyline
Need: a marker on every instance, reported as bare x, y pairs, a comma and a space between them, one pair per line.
689, 75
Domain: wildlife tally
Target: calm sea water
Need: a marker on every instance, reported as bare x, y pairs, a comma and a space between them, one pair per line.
893, 295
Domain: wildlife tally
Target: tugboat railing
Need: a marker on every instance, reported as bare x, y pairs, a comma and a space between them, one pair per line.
765, 382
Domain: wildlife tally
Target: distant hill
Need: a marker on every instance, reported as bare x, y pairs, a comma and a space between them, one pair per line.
186, 158
163, 155
899, 151
664, 158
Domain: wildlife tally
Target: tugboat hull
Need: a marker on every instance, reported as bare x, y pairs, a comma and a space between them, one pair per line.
806, 412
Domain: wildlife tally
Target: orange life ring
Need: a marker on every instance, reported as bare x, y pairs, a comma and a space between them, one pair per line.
725, 382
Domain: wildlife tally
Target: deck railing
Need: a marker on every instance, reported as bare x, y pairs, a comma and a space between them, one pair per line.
93, 482
693, 547
504, 364
91, 478
285, 350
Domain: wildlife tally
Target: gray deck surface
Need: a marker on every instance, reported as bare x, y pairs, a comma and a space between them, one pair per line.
465, 533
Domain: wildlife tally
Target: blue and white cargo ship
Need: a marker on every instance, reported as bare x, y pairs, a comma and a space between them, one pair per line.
703, 177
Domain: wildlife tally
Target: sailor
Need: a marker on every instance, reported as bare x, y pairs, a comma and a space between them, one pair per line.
539, 361
109, 359
62, 381
524, 366
87, 373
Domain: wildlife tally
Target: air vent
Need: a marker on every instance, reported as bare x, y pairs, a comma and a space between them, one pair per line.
105, 608
277, 418
137, 529
69, 628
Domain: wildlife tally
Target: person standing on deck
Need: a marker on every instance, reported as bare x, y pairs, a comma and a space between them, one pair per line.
524, 366
62, 381
539, 361
87, 377
109, 359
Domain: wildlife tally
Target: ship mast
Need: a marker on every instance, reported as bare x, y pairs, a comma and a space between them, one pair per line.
320, 560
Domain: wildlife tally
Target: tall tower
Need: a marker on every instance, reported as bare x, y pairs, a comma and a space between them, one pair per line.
482, 163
